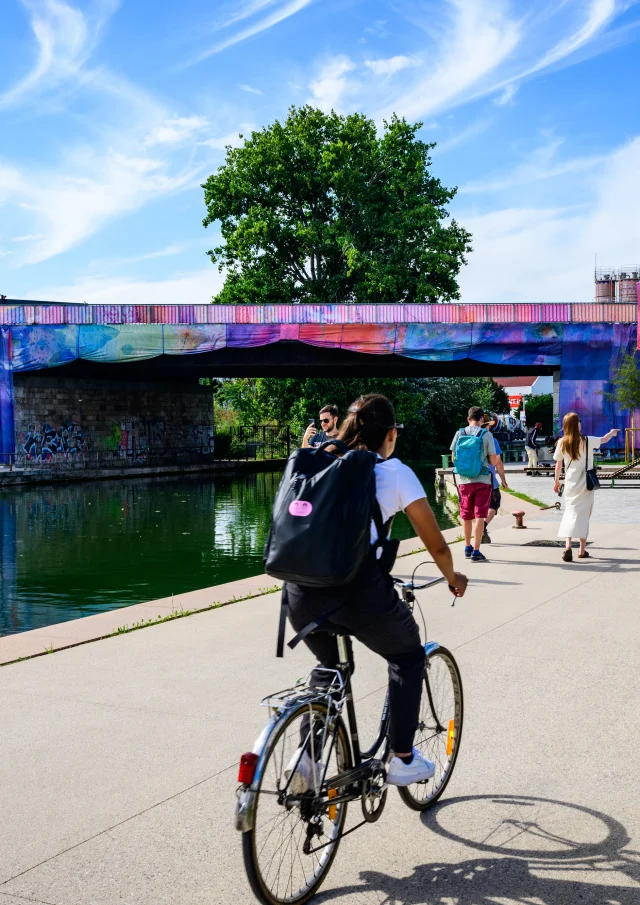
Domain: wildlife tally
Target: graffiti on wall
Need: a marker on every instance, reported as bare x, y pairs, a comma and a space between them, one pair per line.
44, 443
135, 440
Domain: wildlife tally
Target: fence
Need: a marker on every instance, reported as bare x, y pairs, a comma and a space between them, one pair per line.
262, 441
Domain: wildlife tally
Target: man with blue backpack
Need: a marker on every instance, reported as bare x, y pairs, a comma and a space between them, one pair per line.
473, 450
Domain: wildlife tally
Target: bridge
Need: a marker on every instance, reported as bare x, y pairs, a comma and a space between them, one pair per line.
86, 377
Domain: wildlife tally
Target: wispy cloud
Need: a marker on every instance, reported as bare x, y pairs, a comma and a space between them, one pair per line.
176, 130
111, 263
194, 287
546, 253
73, 204
542, 164
249, 89
30, 237
391, 65
282, 12
330, 82
65, 39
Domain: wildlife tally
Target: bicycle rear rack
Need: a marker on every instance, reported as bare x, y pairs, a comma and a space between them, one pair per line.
304, 693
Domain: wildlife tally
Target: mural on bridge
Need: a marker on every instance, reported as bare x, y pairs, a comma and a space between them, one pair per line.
586, 353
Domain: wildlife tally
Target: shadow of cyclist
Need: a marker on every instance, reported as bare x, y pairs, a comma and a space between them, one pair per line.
530, 850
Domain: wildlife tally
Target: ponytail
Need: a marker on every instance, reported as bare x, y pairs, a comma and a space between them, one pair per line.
369, 420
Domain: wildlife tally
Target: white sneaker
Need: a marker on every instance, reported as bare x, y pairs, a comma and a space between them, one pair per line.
401, 774
303, 778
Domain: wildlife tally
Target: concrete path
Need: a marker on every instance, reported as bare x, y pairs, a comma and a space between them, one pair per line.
118, 758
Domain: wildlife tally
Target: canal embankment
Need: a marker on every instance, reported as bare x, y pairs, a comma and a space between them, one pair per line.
115, 622
14, 477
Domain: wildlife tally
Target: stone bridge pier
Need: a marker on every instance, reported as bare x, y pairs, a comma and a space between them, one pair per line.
63, 423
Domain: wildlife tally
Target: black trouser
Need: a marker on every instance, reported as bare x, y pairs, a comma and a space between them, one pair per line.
375, 615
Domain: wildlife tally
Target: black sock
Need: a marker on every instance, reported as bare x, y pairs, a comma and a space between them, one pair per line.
407, 759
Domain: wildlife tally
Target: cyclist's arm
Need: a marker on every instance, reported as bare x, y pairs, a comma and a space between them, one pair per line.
424, 522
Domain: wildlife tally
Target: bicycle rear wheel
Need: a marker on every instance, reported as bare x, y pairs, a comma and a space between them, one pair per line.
439, 727
277, 866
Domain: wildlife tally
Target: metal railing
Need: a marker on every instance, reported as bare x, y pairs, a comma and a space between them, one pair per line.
261, 441
17, 312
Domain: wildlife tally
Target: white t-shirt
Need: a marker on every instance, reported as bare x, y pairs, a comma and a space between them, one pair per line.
397, 486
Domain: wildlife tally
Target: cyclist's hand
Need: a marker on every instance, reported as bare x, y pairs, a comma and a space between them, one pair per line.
556, 487
505, 486
460, 585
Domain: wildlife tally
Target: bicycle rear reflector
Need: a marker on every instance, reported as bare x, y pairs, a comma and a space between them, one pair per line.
333, 808
248, 764
450, 736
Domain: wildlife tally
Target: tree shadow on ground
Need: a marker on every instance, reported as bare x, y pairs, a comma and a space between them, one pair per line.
531, 851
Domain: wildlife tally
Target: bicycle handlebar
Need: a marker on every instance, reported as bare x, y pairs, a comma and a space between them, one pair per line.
417, 587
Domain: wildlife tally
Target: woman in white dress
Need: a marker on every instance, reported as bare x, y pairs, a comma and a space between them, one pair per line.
571, 451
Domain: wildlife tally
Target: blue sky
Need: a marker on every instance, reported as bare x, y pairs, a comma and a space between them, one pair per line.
112, 112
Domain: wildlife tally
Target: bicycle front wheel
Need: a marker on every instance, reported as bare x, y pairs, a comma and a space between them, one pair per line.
296, 830
439, 727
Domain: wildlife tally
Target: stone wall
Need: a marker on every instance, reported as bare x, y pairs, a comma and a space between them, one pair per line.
71, 423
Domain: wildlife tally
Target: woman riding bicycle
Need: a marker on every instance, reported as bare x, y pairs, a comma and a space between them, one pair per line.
372, 611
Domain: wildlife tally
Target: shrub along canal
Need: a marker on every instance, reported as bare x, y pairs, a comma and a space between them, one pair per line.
72, 550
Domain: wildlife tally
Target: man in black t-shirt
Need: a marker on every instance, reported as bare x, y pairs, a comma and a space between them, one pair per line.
329, 424
530, 445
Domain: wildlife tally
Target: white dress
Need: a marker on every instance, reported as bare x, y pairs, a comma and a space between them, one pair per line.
578, 501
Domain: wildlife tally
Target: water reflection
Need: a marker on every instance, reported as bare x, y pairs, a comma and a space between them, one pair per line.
76, 549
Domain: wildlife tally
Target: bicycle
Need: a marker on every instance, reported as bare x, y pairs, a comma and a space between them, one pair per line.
292, 824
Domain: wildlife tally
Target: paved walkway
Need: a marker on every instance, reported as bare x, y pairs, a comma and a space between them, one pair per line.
118, 758
612, 505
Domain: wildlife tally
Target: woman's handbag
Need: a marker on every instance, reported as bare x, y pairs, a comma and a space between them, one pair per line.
593, 482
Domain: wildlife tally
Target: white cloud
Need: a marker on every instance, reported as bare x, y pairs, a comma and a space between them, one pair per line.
194, 288
245, 11
168, 251
249, 89
175, 130
235, 138
471, 131
31, 237
284, 10
546, 253
71, 205
391, 65
65, 39
542, 164
330, 84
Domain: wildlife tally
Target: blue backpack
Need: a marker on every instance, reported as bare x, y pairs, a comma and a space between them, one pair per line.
469, 454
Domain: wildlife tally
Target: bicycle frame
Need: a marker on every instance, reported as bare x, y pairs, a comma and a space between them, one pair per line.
364, 762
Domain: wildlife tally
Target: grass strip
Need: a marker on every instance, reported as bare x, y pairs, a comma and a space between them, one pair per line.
525, 497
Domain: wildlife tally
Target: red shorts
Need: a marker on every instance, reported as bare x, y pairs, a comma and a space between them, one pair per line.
475, 500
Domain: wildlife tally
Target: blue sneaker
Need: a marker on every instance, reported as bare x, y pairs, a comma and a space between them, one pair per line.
477, 556
468, 551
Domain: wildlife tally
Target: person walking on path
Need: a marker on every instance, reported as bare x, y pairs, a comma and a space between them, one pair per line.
530, 445
473, 450
571, 450
496, 497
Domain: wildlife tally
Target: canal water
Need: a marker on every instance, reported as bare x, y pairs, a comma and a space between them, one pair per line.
76, 549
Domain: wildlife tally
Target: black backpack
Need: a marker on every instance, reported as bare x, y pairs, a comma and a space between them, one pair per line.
320, 532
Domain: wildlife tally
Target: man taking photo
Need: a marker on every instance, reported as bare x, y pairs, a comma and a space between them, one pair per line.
329, 424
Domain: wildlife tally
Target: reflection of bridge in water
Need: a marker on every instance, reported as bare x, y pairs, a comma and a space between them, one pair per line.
73, 347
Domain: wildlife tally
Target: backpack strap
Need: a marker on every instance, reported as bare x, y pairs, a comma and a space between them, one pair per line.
338, 443
302, 634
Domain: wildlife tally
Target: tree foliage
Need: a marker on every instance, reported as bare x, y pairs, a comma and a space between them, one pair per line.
322, 209
431, 408
540, 408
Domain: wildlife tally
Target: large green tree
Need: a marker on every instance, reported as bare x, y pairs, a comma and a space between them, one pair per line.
321, 208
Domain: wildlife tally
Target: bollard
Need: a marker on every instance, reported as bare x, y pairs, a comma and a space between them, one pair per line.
519, 516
